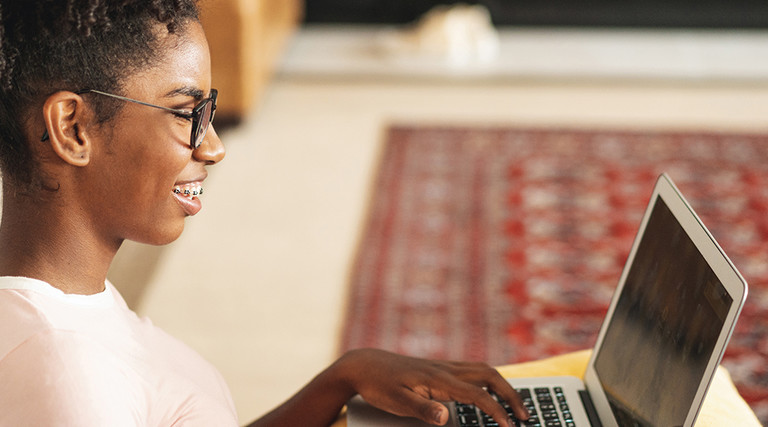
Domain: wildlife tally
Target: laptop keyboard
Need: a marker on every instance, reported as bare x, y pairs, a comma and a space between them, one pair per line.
547, 406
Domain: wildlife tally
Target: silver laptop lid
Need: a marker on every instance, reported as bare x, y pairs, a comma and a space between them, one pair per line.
669, 321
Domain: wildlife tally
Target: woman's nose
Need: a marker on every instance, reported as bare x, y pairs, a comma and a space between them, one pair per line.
211, 151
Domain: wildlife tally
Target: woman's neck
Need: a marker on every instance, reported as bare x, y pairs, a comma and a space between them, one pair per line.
40, 239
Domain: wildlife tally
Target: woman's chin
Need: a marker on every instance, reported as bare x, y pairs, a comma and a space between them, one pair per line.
160, 237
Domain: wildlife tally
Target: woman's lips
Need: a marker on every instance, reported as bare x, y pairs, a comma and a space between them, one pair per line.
186, 195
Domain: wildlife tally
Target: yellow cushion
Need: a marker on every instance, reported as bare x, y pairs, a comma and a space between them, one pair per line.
723, 406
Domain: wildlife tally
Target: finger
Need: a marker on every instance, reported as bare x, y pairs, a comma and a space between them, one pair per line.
483, 375
427, 410
506, 392
468, 393
486, 403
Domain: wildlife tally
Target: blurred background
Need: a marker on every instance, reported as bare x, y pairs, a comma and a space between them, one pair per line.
258, 283
604, 13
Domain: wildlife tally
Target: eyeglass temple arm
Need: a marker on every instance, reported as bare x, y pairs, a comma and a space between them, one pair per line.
136, 101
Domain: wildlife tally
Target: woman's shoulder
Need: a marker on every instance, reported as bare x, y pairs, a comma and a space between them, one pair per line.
20, 319
50, 376
53, 371
29, 308
60, 369
46, 350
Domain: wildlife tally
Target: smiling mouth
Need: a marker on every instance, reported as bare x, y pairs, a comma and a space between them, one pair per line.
188, 190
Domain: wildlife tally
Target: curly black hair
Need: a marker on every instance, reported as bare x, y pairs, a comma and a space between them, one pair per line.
52, 45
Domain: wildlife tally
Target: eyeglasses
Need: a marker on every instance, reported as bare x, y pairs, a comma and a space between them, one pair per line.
201, 115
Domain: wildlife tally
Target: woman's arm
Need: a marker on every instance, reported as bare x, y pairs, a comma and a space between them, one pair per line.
398, 384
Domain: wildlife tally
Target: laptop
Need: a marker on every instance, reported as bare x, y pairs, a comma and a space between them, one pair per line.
662, 339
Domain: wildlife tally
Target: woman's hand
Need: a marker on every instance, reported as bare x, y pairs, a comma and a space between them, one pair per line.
413, 387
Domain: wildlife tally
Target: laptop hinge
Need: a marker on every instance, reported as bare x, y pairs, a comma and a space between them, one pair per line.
586, 400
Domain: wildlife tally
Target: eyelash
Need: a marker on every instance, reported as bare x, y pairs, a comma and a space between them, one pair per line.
182, 116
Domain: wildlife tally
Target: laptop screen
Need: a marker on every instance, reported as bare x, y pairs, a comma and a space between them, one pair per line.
664, 327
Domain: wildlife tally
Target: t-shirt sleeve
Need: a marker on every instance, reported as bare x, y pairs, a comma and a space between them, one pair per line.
60, 378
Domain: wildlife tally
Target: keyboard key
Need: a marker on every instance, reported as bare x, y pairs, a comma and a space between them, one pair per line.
463, 408
531, 422
547, 407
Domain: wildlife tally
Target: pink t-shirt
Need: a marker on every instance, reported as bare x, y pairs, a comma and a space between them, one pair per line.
89, 361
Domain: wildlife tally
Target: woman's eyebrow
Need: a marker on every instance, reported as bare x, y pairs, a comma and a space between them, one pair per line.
186, 91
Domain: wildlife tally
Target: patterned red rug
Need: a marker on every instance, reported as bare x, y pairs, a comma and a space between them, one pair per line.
505, 245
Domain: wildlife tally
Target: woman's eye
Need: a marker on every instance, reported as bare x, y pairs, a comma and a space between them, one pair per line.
185, 116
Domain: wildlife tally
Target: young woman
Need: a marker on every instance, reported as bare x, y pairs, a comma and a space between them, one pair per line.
105, 117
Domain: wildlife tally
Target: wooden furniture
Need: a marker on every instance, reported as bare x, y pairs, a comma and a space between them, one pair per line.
246, 38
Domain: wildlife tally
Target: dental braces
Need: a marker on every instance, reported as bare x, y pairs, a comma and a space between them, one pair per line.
189, 192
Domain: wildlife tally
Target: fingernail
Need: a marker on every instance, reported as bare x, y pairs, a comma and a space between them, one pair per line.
438, 415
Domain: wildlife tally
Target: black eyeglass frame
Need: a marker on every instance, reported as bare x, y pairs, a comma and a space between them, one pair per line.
197, 134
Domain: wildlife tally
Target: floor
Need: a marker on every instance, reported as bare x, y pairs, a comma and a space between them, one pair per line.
257, 283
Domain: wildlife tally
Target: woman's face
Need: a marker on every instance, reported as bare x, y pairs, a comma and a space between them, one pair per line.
141, 162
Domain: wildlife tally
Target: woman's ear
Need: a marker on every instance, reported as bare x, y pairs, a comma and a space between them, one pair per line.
65, 116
